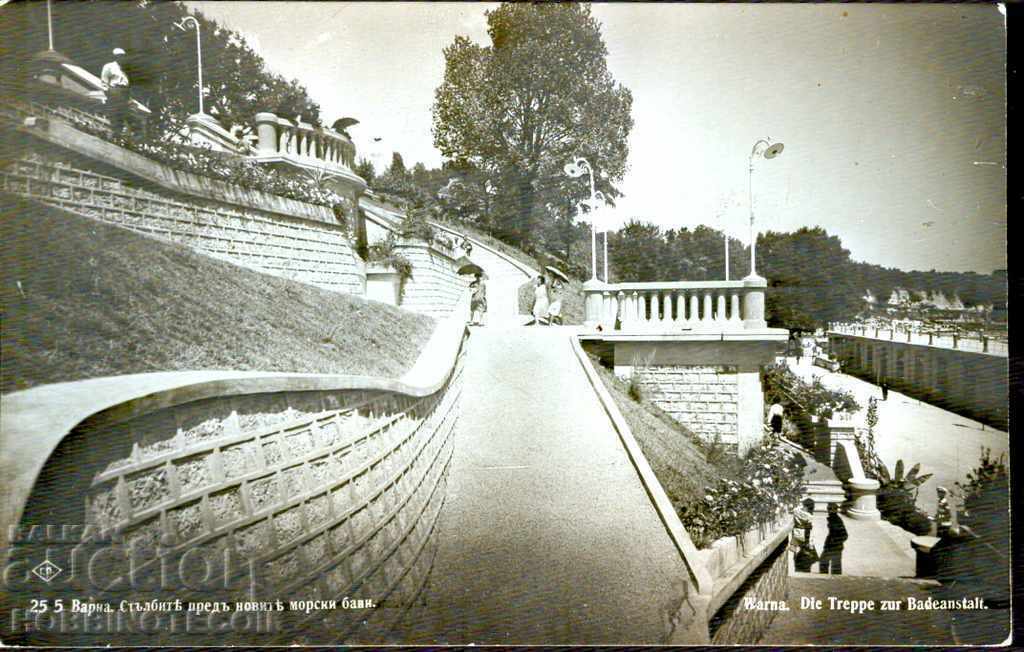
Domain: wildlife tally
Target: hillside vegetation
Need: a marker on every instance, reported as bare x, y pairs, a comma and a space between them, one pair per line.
82, 299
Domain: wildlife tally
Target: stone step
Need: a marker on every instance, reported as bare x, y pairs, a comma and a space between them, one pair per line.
824, 492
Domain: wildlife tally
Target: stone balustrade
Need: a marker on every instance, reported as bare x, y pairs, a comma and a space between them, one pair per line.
676, 306
972, 342
280, 137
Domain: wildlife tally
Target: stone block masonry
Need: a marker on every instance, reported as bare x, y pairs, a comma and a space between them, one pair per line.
702, 398
305, 496
287, 245
435, 286
748, 613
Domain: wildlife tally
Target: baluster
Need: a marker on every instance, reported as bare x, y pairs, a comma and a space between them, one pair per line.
620, 300
634, 308
720, 314
655, 306
694, 315
680, 308
707, 316
605, 306
735, 308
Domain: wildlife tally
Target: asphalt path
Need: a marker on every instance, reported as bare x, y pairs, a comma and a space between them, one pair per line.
547, 535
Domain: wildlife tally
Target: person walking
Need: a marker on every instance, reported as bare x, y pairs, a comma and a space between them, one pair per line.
115, 82
478, 301
540, 302
885, 389
832, 554
555, 309
775, 413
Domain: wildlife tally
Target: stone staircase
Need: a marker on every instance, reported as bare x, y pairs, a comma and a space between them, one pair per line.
824, 492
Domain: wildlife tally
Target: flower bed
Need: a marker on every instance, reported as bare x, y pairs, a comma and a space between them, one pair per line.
768, 483
215, 165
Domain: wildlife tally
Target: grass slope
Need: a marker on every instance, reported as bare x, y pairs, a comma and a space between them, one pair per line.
82, 299
682, 463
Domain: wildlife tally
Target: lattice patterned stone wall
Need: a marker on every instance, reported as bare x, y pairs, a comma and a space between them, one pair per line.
704, 398
312, 252
737, 624
435, 286
297, 496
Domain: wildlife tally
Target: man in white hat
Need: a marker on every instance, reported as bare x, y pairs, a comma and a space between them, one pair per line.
115, 82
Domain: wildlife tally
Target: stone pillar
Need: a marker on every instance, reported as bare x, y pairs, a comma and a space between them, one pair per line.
734, 309
749, 408
862, 506
708, 315
753, 302
634, 307
592, 290
721, 316
266, 131
694, 308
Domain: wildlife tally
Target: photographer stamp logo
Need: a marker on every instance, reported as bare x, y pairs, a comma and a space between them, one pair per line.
47, 570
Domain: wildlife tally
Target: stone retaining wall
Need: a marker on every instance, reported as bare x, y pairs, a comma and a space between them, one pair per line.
315, 495
435, 286
703, 398
737, 624
283, 245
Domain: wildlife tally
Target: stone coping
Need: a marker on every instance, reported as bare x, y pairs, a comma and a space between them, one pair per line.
61, 134
375, 204
654, 286
662, 505
731, 560
33, 422
864, 336
710, 334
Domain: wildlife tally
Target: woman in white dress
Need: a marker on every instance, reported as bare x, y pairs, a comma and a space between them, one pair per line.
555, 309
540, 303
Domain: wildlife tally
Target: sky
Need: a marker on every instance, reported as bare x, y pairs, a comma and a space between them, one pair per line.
893, 117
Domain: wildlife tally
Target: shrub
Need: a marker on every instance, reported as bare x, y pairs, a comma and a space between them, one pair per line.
986, 500
783, 386
865, 443
634, 390
770, 483
415, 226
383, 253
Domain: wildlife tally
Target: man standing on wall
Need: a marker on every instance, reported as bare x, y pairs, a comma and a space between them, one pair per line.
115, 82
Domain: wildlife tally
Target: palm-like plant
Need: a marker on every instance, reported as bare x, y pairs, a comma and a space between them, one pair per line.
897, 496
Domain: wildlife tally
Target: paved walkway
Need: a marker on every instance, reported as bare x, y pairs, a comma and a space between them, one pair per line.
873, 549
944, 443
547, 535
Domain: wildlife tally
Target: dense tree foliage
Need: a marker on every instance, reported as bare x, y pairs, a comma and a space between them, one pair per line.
161, 59
522, 107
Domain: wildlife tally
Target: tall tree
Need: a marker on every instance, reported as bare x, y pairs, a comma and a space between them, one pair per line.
534, 99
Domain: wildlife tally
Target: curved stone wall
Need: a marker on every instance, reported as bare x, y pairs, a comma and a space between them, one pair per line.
262, 508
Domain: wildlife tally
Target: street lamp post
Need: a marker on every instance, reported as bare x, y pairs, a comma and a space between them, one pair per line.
577, 169
762, 147
183, 26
